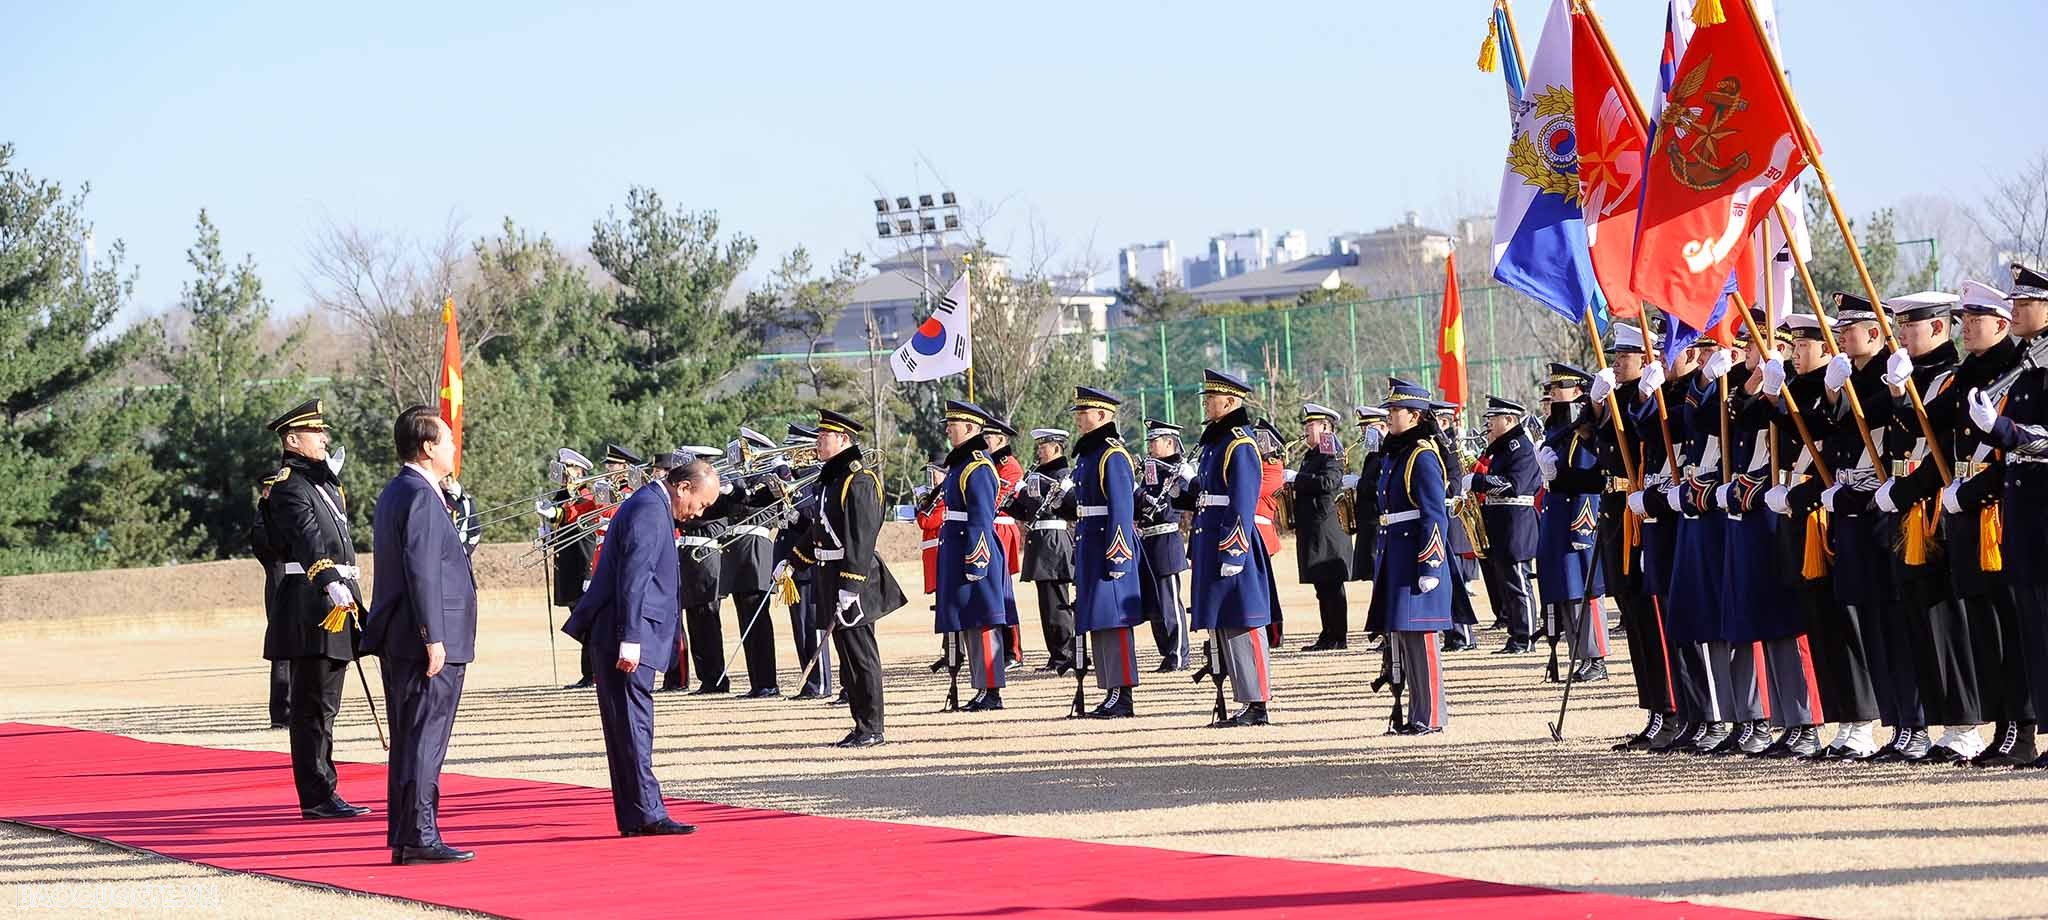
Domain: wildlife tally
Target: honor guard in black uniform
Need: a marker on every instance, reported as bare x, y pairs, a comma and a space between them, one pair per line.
273, 635
2012, 413
306, 517
1165, 552
1364, 486
1322, 554
1507, 479
1044, 507
855, 588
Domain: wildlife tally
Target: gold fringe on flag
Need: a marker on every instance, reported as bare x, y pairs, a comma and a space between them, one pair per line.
1990, 535
337, 619
1816, 564
1489, 50
1708, 13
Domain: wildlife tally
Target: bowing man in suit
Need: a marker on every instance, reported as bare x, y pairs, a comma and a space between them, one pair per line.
423, 623
628, 618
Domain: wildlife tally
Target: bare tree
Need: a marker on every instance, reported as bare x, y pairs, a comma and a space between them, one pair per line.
2014, 215
798, 302
1963, 249
390, 290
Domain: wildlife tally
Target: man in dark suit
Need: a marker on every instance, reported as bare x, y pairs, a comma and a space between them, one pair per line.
423, 623
628, 619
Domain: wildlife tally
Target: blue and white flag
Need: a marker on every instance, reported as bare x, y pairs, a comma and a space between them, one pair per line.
1539, 232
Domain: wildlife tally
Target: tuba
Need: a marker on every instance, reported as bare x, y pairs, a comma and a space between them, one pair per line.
1466, 509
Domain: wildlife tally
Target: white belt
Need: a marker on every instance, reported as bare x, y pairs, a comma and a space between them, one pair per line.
1517, 501
752, 530
2024, 458
1262, 519
1006, 519
1400, 517
696, 541
1211, 501
345, 571
956, 515
1157, 530
1049, 525
831, 555
928, 544
1094, 510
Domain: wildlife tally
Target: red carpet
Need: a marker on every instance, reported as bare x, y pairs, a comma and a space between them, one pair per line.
549, 850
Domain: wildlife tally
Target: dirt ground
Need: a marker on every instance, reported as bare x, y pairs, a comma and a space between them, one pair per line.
1492, 798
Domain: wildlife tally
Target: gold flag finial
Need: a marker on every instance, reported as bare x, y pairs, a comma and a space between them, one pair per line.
1708, 13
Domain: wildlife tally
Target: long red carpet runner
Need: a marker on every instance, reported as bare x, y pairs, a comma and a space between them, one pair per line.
549, 850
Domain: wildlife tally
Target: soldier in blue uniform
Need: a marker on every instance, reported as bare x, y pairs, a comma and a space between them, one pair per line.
1043, 507
2016, 422
1233, 576
1411, 592
1507, 478
1322, 555
1364, 486
1106, 603
971, 598
1165, 553
1567, 569
1663, 391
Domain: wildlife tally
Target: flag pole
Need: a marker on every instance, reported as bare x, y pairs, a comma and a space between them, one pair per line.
1827, 335
1820, 466
1770, 284
1827, 188
1514, 37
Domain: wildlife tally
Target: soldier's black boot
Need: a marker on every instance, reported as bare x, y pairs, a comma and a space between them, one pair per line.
1682, 735
1251, 714
1739, 734
1713, 735
1590, 669
2014, 747
1759, 739
1641, 740
985, 701
1117, 705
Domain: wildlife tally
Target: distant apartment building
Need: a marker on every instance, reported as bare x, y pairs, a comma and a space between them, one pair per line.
1391, 260
1151, 263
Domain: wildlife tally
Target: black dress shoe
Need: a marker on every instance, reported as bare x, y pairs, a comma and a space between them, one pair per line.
438, 853
1591, 669
671, 688
1166, 667
1251, 714
864, 739
704, 690
841, 699
666, 827
584, 684
763, 693
1059, 670
985, 701
274, 726
1456, 644
1316, 646
1413, 728
2039, 763
939, 665
1514, 647
333, 808
808, 695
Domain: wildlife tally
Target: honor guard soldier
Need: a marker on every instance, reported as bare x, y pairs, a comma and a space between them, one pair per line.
1233, 575
1567, 570
1411, 591
854, 587
972, 567
571, 510
1507, 479
1663, 388
318, 596
1322, 555
747, 564
1622, 526
806, 634
1365, 490
1165, 553
1044, 506
1106, 593
999, 433
2012, 412
267, 553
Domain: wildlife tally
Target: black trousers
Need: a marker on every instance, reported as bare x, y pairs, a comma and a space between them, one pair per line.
1159, 598
2030, 605
280, 692
862, 662
1056, 621
1853, 644
422, 716
1335, 610
584, 657
1890, 645
808, 640
315, 698
625, 710
1944, 653
759, 644
1507, 586
707, 646
1648, 651
1996, 633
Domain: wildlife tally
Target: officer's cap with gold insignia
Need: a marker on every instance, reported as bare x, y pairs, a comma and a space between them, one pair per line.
1223, 383
306, 416
1925, 305
1851, 309
2027, 284
1049, 435
613, 453
1982, 299
1799, 326
1161, 428
829, 420
569, 457
960, 410
1001, 426
1567, 375
1367, 415
1402, 394
1496, 406
1311, 411
799, 434
1093, 398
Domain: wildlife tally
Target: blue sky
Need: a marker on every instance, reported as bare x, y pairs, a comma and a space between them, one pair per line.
1110, 122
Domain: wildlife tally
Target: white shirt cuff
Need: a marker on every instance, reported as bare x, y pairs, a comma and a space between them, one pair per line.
630, 651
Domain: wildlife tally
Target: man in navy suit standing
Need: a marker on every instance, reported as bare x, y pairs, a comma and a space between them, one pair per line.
422, 622
628, 620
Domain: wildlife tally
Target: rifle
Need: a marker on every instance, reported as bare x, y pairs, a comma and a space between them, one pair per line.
1212, 669
1550, 631
1392, 675
1571, 643
953, 657
1080, 709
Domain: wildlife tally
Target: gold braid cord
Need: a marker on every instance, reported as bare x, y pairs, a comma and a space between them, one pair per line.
314, 571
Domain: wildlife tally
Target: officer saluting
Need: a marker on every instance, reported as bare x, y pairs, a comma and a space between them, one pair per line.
1106, 603
306, 519
1233, 574
1507, 477
1411, 595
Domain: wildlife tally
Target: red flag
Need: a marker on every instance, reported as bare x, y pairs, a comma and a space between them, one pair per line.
1450, 338
451, 380
1611, 139
1724, 152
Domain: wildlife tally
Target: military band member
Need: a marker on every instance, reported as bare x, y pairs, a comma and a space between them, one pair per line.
1233, 576
1567, 570
1463, 541
1411, 591
806, 635
929, 509
1044, 506
572, 509
1106, 603
1322, 556
698, 589
854, 587
1507, 479
1372, 433
306, 519
2016, 422
1165, 553
1272, 477
747, 564
1011, 472
972, 568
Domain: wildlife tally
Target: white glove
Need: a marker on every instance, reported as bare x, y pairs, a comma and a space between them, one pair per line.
1468, 482
847, 599
1230, 569
1898, 369
1290, 474
544, 508
1546, 461
1426, 584
1951, 496
1187, 471
1603, 385
1982, 413
782, 570
1721, 495
1673, 495
338, 596
1635, 503
1777, 499
1827, 495
1653, 377
972, 578
1883, 498
1351, 480
1774, 378
1718, 364
1838, 372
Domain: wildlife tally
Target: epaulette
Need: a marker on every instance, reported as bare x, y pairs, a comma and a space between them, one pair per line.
853, 467
1241, 431
1113, 441
283, 473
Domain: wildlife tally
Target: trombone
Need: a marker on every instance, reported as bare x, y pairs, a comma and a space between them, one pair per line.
558, 475
759, 517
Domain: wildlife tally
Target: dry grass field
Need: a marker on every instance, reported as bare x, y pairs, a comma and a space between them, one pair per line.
1492, 798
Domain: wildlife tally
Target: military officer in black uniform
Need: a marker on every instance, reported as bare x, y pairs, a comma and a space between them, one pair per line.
273, 635
1507, 477
306, 517
1165, 553
1322, 555
1044, 507
806, 636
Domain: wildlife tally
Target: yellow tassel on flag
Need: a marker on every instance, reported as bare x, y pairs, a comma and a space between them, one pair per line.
1990, 535
1815, 565
1708, 13
1631, 537
1914, 536
337, 619
1489, 50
